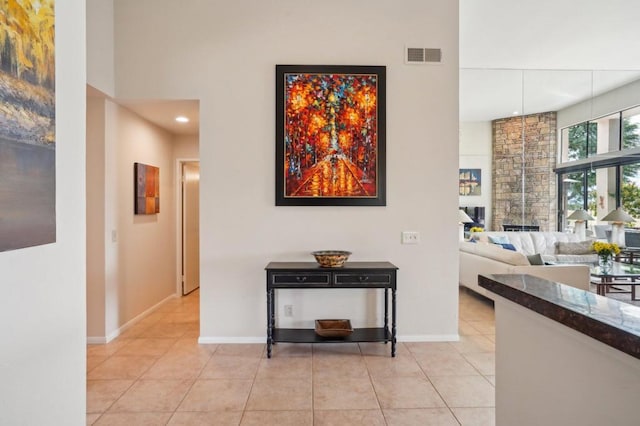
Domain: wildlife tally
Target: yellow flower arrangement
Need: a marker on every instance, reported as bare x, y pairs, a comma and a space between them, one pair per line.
476, 229
605, 249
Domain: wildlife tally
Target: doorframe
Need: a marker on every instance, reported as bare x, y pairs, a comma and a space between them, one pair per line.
179, 202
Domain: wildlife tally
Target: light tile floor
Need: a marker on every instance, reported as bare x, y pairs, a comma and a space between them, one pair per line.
157, 374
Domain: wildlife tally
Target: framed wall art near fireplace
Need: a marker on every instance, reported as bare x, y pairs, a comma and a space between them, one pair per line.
330, 135
147, 189
470, 182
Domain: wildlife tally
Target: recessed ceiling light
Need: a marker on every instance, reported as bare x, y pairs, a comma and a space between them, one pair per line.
182, 119
515, 112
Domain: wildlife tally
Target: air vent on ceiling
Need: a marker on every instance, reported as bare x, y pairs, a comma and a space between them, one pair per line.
421, 55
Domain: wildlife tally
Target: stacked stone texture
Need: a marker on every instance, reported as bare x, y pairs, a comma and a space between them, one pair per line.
524, 183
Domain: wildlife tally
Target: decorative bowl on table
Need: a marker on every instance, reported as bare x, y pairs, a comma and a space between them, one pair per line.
331, 258
333, 327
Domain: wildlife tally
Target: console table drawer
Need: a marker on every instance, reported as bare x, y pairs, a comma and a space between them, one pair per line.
301, 278
364, 279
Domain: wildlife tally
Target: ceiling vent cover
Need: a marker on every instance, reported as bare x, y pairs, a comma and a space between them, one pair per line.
420, 55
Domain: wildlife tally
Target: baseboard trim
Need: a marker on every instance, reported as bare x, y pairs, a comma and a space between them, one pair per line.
429, 338
96, 340
237, 340
403, 338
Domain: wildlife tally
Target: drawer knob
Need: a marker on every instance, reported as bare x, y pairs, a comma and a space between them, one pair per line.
301, 279
363, 278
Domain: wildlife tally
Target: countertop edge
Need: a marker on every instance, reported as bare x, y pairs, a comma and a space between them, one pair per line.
613, 336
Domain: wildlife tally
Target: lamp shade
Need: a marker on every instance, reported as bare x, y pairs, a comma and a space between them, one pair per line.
617, 215
463, 217
580, 214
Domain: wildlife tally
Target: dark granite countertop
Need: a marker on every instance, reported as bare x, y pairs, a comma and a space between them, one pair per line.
613, 323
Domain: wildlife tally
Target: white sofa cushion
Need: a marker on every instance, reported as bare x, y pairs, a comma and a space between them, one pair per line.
580, 247
530, 243
495, 252
570, 258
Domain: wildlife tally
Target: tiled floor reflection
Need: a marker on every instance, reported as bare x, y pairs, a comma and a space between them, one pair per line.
157, 374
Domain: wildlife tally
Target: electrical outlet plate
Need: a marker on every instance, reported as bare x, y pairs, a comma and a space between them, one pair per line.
288, 310
410, 237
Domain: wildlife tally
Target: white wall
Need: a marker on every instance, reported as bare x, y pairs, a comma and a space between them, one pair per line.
186, 146
476, 151
224, 54
96, 229
100, 46
132, 274
146, 242
615, 100
42, 308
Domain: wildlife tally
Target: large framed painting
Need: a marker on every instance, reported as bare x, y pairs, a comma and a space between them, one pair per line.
147, 189
330, 135
28, 120
470, 182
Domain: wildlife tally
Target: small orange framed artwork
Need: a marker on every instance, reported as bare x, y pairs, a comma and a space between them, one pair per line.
147, 189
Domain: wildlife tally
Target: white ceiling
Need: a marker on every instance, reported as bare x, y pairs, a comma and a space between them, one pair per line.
164, 112
487, 94
547, 38
499, 39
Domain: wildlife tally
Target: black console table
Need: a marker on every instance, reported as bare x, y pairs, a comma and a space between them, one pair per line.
301, 275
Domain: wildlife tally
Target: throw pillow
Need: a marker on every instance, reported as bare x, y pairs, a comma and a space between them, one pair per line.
535, 259
498, 239
581, 247
508, 246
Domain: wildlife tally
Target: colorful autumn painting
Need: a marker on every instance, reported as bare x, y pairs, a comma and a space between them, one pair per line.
147, 189
27, 124
330, 142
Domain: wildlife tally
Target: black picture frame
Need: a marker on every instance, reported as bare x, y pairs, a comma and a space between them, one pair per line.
330, 135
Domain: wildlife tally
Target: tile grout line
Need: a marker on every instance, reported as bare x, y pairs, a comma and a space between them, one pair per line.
434, 386
192, 385
139, 377
384, 417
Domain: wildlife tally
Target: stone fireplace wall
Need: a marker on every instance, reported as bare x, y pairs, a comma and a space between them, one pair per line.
524, 184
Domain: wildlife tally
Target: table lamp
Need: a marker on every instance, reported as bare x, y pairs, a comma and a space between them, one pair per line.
618, 217
580, 216
462, 219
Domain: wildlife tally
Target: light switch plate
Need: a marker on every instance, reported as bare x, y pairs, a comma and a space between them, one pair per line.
410, 237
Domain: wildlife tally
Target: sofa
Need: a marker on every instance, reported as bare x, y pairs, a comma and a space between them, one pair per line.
553, 247
562, 257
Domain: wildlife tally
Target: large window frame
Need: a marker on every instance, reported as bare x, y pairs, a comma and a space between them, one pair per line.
613, 152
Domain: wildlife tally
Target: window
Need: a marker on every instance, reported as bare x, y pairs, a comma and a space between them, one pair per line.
630, 189
611, 178
631, 130
573, 186
607, 134
581, 141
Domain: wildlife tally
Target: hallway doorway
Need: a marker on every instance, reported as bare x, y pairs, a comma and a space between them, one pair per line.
190, 208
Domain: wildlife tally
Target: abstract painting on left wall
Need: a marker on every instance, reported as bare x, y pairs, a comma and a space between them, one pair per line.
27, 124
147, 189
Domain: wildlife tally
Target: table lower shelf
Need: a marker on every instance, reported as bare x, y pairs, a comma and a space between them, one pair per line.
304, 335
612, 287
